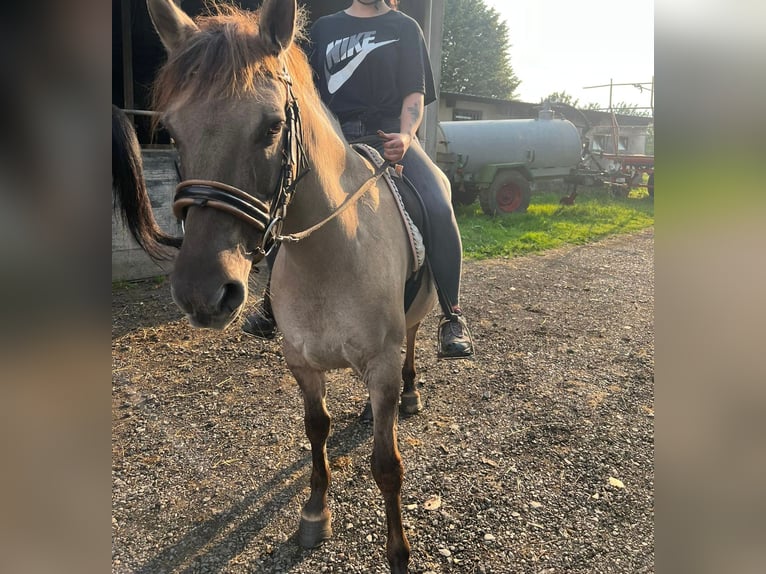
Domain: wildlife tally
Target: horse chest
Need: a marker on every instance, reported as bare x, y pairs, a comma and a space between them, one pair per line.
331, 340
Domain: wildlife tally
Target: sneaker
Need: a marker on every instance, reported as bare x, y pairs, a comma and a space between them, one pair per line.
454, 339
260, 324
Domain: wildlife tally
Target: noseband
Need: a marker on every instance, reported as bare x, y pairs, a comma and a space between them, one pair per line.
266, 218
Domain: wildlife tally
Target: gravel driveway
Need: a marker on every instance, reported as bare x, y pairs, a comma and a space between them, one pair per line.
535, 457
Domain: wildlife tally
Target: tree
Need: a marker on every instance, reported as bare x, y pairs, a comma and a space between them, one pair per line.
629, 110
561, 98
623, 108
475, 47
565, 98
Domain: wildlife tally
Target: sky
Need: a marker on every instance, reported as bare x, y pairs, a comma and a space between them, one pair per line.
565, 46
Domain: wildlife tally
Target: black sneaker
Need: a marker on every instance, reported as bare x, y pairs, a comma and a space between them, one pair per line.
454, 339
260, 324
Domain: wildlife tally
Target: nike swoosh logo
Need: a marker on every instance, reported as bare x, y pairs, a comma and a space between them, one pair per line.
336, 80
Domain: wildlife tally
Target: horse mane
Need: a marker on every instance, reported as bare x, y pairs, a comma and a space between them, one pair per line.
227, 57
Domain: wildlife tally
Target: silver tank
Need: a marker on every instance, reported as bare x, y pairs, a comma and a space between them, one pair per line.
549, 147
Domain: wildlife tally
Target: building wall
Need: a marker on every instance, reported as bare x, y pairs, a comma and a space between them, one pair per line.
128, 260
487, 108
486, 111
635, 137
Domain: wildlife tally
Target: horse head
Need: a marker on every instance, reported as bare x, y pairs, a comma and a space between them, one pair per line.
225, 98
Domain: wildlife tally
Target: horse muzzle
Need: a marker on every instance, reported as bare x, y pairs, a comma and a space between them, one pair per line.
216, 311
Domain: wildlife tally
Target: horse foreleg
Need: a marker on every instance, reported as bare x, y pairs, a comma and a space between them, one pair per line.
315, 525
387, 468
410, 403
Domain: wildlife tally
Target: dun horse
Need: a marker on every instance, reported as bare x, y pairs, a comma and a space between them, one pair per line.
263, 161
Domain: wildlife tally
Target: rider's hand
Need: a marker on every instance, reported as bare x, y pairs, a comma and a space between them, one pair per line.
395, 146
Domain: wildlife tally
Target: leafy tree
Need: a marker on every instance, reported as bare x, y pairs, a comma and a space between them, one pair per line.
475, 56
561, 98
629, 110
565, 98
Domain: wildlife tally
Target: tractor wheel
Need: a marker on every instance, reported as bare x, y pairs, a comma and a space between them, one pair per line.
510, 192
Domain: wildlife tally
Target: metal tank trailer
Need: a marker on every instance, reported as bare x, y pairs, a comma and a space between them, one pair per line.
499, 160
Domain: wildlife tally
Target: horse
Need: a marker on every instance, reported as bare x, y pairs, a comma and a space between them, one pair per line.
264, 162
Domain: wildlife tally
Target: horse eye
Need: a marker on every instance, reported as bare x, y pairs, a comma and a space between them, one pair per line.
276, 128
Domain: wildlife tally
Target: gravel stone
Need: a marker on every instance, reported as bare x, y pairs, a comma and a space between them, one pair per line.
209, 468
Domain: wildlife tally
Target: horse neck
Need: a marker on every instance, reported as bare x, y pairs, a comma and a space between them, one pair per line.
336, 172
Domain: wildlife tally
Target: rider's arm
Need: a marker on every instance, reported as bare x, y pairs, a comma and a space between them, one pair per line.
412, 114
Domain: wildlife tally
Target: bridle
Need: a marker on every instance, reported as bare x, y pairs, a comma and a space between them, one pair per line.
265, 217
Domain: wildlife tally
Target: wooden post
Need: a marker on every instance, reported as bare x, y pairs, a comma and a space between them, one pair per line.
127, 54
433, 27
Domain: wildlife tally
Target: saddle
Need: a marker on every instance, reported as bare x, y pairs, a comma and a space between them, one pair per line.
414, 217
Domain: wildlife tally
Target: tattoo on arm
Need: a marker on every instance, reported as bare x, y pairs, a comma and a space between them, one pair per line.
414, 111
411, 120
411, 114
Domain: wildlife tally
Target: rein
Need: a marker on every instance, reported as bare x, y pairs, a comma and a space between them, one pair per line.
267, 218
350, 200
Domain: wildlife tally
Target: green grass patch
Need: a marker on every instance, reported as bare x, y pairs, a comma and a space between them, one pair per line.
547, 224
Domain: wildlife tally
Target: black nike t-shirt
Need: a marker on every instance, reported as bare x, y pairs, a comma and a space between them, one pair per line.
365, 67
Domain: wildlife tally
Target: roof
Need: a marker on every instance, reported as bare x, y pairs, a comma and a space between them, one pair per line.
597, 118
579, 117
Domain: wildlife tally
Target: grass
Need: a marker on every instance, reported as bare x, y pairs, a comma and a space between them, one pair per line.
547, 224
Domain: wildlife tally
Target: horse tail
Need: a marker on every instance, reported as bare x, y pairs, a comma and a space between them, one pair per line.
131, 198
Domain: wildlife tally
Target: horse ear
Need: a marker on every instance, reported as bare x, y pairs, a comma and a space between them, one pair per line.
277, 24
172, 24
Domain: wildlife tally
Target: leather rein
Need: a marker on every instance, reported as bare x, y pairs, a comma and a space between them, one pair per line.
266, 217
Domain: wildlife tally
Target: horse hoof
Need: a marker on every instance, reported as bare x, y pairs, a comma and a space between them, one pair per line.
366, 416
410, 403
312, 533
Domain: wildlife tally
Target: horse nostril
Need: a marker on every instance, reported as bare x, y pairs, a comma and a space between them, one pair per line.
233, 296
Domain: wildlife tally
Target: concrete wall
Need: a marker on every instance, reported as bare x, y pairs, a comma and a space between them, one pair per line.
488, 110
636, 136
129, 262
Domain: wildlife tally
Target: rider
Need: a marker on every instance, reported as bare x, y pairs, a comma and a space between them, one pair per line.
373, 72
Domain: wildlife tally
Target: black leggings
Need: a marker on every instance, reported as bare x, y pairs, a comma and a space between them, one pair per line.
445, 249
